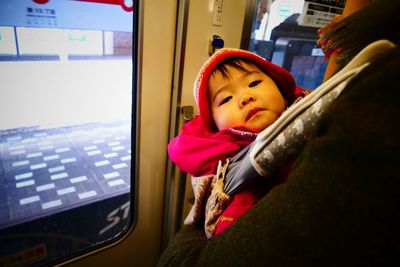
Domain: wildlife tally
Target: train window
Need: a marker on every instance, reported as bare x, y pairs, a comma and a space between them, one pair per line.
285, 32
67, 127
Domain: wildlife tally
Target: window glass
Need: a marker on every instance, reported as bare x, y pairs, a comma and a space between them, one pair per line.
66, 106
285, 32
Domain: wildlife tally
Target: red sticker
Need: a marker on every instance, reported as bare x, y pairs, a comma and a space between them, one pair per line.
41, 2
127, 5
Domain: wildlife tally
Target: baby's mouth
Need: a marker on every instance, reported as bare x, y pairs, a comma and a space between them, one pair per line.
253, 112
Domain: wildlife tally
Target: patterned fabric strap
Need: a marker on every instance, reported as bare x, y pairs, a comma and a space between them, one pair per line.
217, 201
202, 187
289, 143
210, 199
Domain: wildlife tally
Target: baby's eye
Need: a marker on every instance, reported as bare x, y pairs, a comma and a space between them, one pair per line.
225, 100
254, 83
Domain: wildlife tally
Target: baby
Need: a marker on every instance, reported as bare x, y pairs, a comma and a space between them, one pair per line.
238, 95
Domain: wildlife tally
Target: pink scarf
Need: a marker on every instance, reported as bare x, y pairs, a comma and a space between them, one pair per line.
197, 151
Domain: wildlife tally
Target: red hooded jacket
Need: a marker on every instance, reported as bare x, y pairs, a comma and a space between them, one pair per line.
198, 148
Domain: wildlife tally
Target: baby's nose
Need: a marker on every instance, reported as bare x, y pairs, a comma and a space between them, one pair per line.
246, 99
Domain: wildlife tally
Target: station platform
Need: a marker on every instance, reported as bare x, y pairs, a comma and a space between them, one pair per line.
49, 170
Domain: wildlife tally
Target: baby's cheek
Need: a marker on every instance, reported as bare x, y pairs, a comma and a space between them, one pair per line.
219, 122
226, 121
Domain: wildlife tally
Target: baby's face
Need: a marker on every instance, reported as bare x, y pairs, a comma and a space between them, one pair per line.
246, 99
